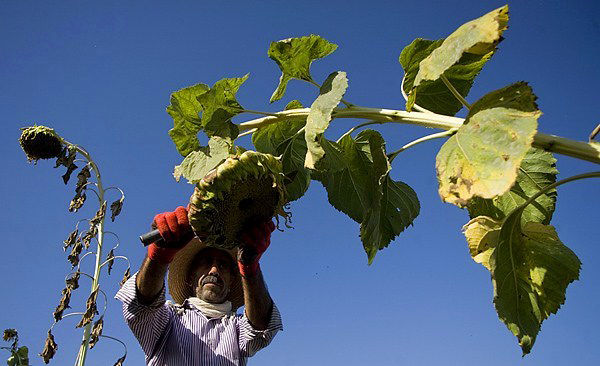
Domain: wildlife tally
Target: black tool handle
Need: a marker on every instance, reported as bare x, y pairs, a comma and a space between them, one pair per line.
150, 237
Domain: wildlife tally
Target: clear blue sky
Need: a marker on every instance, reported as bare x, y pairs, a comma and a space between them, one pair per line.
101, 74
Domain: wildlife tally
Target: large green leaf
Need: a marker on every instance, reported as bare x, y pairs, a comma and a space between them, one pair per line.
198, 163
318, 119
531, 269
185, 109
434, 95
294, 56
286, 139
479, 36
537, 171
219, 106
483, 157
362, 189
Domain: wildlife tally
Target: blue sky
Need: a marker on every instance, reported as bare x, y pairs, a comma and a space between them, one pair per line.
101, 73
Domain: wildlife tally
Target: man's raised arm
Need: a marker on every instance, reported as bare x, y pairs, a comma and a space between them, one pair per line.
176, 233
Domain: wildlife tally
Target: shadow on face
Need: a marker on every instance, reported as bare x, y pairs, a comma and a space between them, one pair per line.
211, 275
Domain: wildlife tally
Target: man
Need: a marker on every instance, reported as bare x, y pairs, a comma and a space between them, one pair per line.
207, 285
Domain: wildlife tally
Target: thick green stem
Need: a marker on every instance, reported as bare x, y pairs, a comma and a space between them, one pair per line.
560, 145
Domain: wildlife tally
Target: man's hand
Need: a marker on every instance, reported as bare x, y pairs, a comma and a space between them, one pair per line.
254, 243
176, 232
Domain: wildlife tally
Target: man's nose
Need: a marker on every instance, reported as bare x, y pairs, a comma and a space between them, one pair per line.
214, 269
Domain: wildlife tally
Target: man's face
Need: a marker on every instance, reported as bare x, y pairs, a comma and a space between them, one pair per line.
212, 275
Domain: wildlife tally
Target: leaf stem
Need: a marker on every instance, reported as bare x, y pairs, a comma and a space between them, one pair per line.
450, 132
357, 127
556, 184
415, 106
258, 112
455, 92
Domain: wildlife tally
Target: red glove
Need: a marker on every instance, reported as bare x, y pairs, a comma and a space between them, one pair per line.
254, 243
176, 232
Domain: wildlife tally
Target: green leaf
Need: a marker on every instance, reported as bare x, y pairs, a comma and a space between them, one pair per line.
185, 110
220, 106
435, 95
294, 56
318, 119
531, 269
537, 171
286, 139
363, 190
396, 209
198, 163
294, 104
479, 36
483, 157
19, 358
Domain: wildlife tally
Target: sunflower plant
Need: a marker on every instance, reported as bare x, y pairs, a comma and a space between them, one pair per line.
41, 142
494, 163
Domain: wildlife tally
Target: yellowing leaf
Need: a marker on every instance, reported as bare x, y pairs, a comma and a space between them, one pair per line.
483, 157
478, 36
482, 235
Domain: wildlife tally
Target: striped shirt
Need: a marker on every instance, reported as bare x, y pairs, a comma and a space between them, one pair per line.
180, 335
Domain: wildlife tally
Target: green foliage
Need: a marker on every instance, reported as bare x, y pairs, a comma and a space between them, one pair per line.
198, 163
287, 140
537, 171
294, 56
185, 110
219, 106
363, 190
494, 163
434, 95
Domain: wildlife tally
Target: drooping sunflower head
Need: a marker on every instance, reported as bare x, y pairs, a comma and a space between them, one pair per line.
40, 142
243, 191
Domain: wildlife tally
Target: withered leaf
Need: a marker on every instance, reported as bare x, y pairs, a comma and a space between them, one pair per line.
120, 361
75, 251
99, 215
82, 178
90, 310
73, 282
110, 259
88, 236
63, 304
71, 239
68, 161
96, 332
115, 208
77, 202
126, 276
50, 348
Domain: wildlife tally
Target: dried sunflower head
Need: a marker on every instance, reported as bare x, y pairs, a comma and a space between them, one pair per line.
40, 142
242, 191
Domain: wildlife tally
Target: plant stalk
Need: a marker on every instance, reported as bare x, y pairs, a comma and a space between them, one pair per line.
81, 355
560, 145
